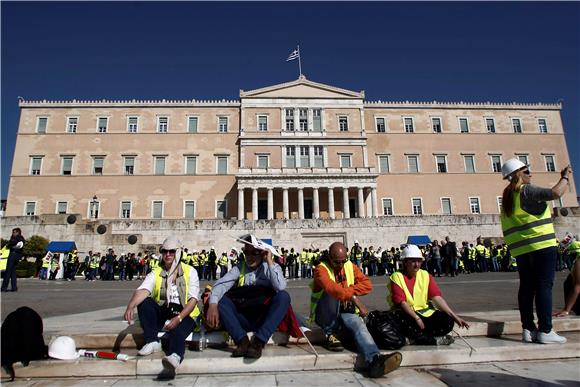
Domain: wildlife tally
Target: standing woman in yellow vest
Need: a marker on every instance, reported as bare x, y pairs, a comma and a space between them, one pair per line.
167, 301
417, 303
529, 233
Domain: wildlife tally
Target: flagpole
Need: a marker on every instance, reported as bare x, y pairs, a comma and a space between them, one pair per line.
299, 60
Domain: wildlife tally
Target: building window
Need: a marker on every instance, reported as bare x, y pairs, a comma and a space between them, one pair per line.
41, 123
289, 119
61, 207
29, 208
417, 206
262, 123
221, 209
35, 165
542, 126
413, 164
262, 161
303, 119
490, 125
387, 206
189, 209
192, 124
517, 125
441, 161
523, 158
157, 209
496, 163
317, 120
345, 161
446, 206
463, 125
94, 207
162, 124
98, 164
132, 124
66, 165
190, 165
223, 124
102, 123
222, 165
436, 124
409, 125
290, 157
72, 124
129, 165
304, 156
343, 123
159, 165
384, 165
469, 162
380, 123
550, 163
474, 205
318, 156
125, 210
499, 201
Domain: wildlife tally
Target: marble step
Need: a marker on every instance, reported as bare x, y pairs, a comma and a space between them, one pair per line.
300, 357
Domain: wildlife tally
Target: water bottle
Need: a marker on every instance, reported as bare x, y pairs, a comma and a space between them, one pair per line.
202, 341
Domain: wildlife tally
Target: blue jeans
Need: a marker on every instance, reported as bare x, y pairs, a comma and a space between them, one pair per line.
536, 272
239, 323
152, 321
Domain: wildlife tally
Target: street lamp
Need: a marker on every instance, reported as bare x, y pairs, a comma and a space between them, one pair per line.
94, 208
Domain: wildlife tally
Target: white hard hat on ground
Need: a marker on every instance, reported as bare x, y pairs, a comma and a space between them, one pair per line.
63, 348
411, 251
511, 166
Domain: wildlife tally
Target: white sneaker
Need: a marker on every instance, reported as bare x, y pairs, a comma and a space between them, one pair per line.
444, 340
170, 363
551, 337
529, 336
149, 348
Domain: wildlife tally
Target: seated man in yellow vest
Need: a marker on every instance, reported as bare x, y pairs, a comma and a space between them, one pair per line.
335, 307
167, 301
411, 292
251, 297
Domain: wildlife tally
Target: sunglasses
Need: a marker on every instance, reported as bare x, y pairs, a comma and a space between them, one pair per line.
168, 251
342, 262
526, 172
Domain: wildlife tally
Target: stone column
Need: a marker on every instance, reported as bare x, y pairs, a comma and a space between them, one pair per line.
331, 214
301, 203
241, 204
315, 203
270, 203
374, 202
285, 207
254, 203
361, 203
345, 206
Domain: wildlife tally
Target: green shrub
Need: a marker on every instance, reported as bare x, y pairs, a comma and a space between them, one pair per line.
25, 269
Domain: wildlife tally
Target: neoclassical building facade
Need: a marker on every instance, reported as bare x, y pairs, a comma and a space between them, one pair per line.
297, 150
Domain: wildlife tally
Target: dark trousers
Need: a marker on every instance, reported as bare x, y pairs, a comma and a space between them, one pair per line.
536, 272
152, 318
10, 273
438, 324
239, 322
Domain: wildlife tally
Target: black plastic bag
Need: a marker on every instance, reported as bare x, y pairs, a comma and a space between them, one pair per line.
385, 330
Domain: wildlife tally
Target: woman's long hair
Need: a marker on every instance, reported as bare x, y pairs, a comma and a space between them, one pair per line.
507, 200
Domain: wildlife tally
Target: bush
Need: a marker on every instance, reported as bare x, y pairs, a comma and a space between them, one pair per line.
25, 269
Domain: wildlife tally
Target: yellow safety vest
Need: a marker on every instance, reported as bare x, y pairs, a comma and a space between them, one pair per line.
524, 232
315, 296
156, 294
5, 252
45, 262
419, 300
223, 261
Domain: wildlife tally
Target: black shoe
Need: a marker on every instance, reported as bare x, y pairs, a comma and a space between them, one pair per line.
383, 364
255, 349
242, 348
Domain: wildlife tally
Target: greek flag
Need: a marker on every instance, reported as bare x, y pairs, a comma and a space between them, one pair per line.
293, 55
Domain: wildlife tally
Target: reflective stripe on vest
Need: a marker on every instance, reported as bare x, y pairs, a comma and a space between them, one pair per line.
419, 300
315, 297
524, 232
156, 294
242, 274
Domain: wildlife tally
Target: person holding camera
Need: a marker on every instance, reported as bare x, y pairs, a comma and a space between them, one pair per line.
167, 301
338, 310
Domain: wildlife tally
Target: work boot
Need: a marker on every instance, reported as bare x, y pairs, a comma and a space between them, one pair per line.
255, 349
242, 347
383, 364
333, 344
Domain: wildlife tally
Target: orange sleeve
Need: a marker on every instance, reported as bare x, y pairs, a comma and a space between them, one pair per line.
362, 285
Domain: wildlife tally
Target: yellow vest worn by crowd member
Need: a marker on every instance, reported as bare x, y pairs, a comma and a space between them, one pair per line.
419, 301
46, 262
223, 260
574, 250
95, 259
315, 296
5, 252
524, 232
182, 283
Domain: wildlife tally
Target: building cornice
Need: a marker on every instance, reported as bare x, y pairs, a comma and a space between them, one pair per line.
462, 105
126, 103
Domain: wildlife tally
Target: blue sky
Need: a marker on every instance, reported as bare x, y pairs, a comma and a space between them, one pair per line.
489, 51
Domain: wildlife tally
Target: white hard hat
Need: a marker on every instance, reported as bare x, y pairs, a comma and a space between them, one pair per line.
63, 348
19, 245
511, 166
411, 251
356, 242
171, 243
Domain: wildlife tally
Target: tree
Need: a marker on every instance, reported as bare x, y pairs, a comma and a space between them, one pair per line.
35, 246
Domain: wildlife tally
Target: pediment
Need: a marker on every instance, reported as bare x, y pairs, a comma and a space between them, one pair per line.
301, 88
